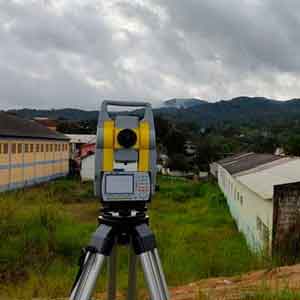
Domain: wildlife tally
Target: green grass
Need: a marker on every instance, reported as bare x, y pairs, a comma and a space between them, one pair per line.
42, 230
268, 294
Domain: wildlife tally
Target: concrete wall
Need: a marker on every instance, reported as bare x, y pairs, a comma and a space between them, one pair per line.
286, 233
253, 215
25, 162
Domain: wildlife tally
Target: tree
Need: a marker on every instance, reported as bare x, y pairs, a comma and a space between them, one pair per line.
292, 146
178, 162
263, 144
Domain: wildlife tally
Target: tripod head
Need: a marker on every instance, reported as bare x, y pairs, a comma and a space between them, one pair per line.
125, 159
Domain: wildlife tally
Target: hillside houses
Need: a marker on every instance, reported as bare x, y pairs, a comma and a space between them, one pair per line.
263, 195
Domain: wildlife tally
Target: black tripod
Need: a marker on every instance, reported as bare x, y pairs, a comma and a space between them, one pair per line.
129, 228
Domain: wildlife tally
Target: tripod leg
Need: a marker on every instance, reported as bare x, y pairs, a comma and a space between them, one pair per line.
132, 275
86, 282
100, 247
160, 270
145, 247
154, 277
112, 274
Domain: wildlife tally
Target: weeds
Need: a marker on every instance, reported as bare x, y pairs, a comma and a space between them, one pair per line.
42, 230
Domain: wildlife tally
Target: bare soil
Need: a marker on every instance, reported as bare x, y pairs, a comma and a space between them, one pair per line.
235, 288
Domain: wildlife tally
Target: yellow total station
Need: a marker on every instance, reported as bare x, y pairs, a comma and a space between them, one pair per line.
137, 139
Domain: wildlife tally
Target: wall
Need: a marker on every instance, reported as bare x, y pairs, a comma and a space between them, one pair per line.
286, 233
253, 215
26, 162
87, 170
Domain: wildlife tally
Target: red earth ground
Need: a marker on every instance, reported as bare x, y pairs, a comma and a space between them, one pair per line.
236, 288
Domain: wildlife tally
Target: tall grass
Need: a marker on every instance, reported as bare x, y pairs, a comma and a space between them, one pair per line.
43, 229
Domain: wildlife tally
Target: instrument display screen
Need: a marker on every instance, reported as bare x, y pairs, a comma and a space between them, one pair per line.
119, 184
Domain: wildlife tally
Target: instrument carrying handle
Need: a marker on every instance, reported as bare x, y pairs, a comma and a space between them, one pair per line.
105, 103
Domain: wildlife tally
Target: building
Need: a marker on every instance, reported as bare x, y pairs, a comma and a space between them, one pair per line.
51, 124
79, 140
87, 167
263, 195
30, 153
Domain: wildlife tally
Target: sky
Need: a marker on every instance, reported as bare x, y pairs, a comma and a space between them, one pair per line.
75, 53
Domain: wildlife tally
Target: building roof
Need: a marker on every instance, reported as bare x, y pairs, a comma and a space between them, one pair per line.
46, 121
262, 180
82, 138
246, 161
13, 126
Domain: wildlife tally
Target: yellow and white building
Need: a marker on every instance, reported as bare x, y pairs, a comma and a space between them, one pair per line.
30, 153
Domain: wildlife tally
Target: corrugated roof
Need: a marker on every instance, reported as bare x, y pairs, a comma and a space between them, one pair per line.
262, 181
246, 161
13, 126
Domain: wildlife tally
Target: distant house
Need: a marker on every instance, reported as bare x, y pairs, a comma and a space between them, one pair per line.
49, 123
30, 153
77, 141
189, 148
87, 167
263, 195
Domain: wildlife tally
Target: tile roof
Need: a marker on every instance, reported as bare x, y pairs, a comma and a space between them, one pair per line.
13, 126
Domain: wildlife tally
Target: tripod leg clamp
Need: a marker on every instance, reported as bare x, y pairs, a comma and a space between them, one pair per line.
102, 240
143, 239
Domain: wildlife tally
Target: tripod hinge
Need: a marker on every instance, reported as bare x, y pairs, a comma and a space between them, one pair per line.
102, 240
143, 239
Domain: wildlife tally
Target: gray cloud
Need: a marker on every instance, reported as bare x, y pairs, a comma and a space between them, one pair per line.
73, 53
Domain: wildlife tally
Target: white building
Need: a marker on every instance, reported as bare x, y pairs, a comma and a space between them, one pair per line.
87, 168
263, 195
77, 140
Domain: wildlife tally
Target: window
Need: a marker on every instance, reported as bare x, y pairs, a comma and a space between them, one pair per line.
5, 148
241, 200
26, 148
47, 147
19, 148
51, 147
37, 149
42, 147
31, 148
13, 148
0, 148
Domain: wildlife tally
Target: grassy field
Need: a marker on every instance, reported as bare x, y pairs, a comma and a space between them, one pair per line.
42, 230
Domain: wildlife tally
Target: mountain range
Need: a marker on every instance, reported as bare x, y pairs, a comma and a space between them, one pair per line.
236, 110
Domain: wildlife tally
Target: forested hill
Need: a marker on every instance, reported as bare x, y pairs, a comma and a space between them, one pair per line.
57, 114
237, 110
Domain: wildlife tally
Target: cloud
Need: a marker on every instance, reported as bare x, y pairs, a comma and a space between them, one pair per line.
63, 53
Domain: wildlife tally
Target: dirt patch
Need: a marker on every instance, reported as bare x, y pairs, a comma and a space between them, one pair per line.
234, 288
